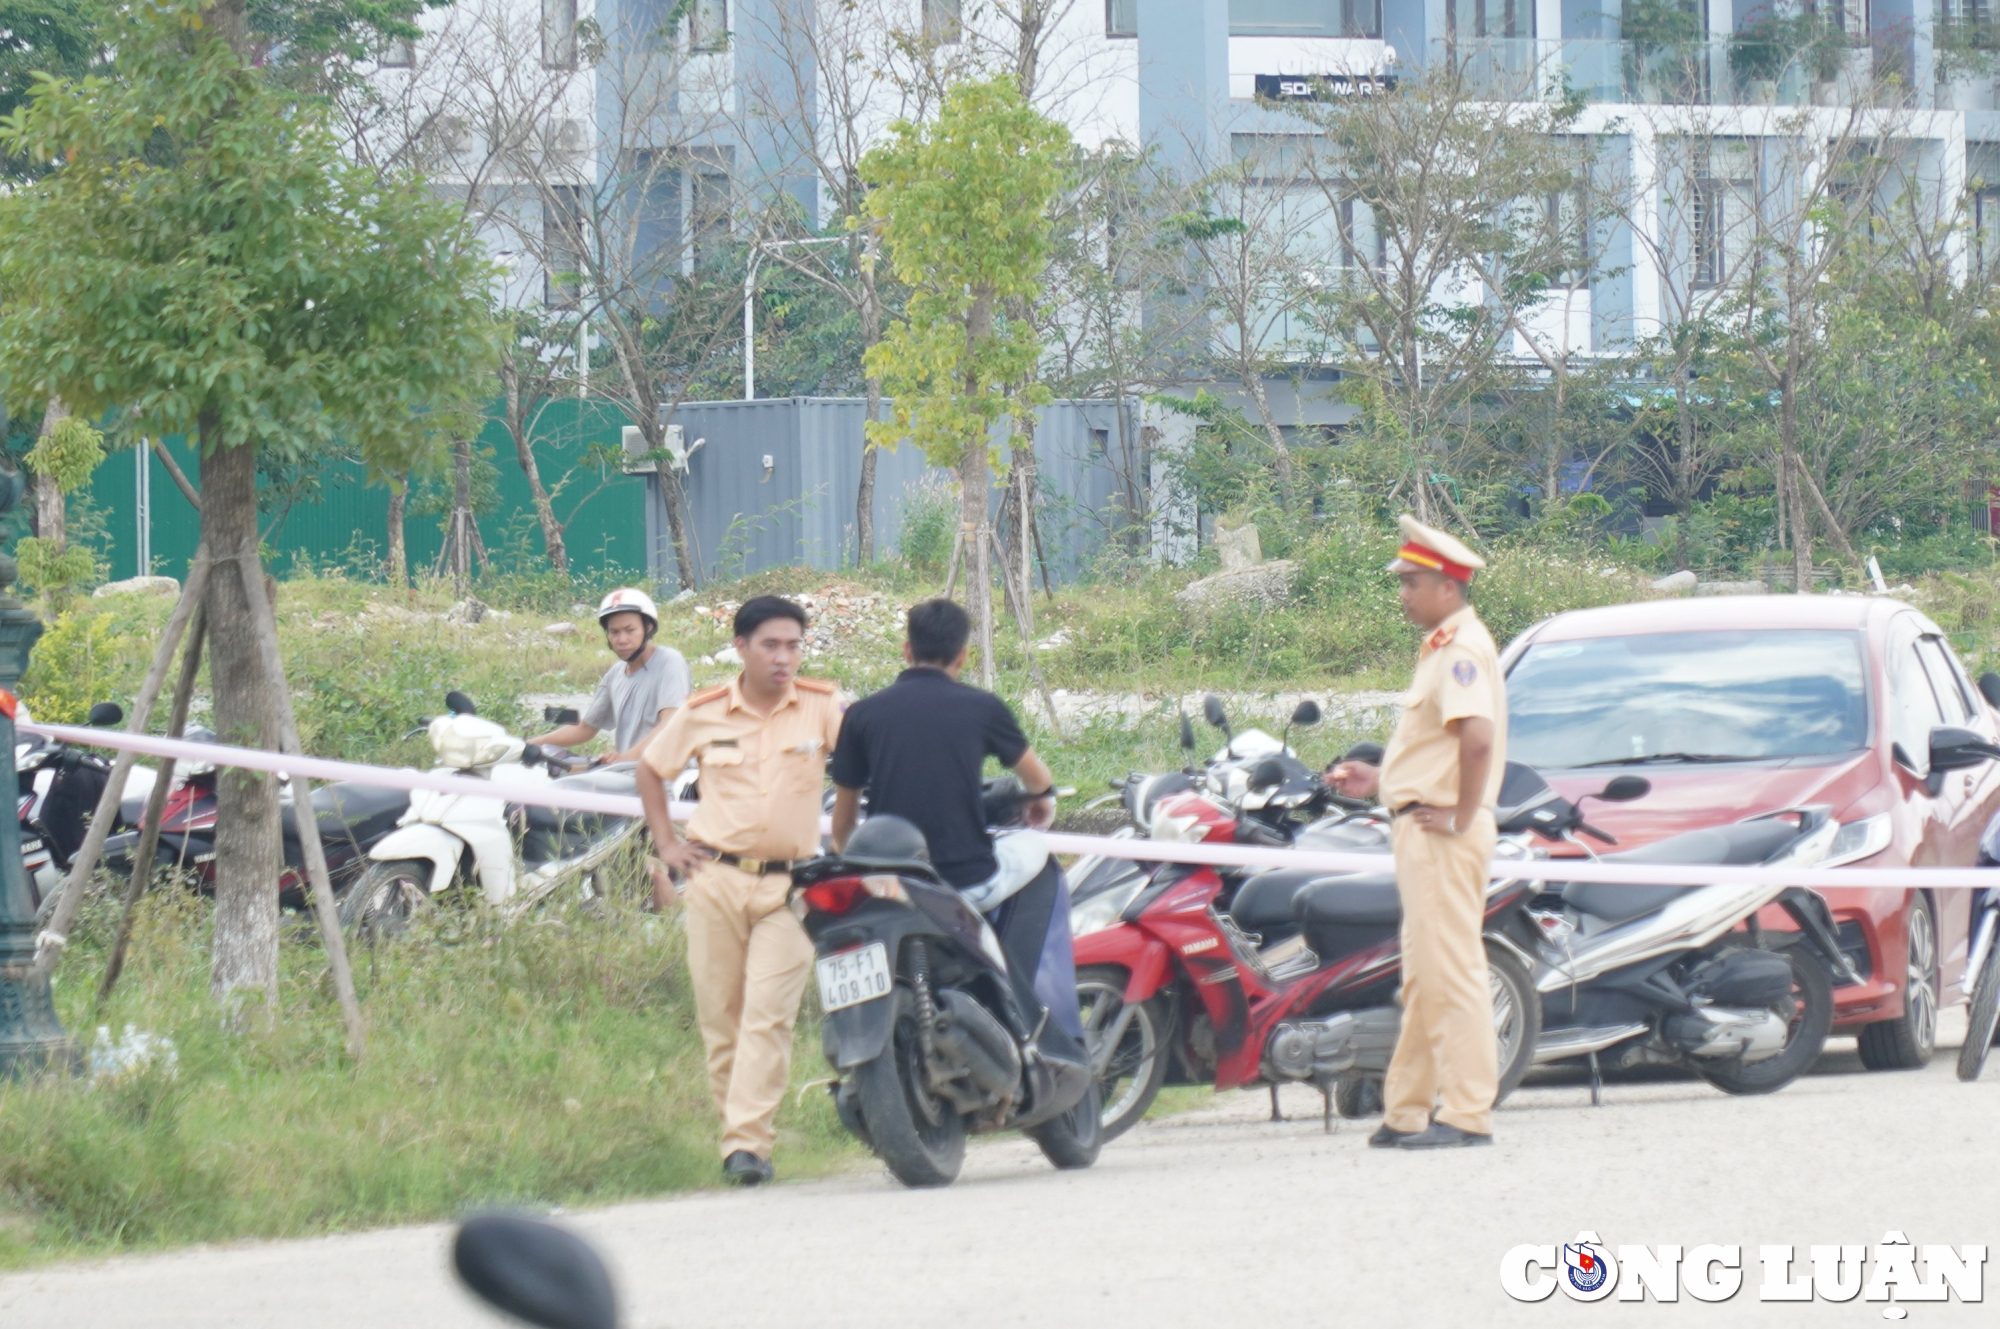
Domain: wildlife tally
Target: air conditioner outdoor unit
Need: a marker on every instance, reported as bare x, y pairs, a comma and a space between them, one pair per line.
633, 439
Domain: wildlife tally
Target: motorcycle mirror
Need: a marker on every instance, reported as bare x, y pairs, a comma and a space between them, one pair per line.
459, 704
532, 754
1368, 752
1211, 711
1625, 788
1989, 687
105, 714
1187, 733
535, 1271
1307, 714
1267, 774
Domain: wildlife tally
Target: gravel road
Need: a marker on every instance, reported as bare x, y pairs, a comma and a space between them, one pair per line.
1218, 1217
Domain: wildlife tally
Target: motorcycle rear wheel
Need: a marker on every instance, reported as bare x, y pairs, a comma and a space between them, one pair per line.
1517, 1018
1980, 1021
919, 1137
1813, 989
380, 905
1136, 1068
1073, 1139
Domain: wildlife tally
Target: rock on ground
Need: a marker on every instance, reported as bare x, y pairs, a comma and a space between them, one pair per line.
1679, 583
138, 586
1268, 584
562, 629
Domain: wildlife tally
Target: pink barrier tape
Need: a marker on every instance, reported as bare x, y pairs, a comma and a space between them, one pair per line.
1142, 850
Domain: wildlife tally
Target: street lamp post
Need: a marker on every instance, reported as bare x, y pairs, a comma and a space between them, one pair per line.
31, 1039
759, 248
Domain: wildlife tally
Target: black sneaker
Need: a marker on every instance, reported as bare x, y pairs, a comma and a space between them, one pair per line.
1385, 1138
1442, 1136
746, 1169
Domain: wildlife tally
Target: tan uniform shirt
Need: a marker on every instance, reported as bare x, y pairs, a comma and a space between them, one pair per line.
1458, 676
762, 777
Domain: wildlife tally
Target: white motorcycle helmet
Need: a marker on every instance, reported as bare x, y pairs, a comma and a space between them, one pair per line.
626, 600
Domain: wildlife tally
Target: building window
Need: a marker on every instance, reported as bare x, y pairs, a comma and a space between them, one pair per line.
944, 21
1850, 17
559, 34
1307, 18
709, 207
398, 53
562, 246
1489, 20
1986, 227
1121, 18
1722, 221
708, 25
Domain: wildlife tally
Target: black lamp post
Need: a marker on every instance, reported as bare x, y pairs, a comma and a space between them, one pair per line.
31, 1039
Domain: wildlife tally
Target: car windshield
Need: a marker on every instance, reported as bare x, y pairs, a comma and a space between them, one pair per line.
1673, 697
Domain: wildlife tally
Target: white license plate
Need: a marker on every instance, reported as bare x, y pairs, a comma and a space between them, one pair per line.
852, 977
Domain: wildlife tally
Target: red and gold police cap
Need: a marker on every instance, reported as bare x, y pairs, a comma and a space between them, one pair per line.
1426, 549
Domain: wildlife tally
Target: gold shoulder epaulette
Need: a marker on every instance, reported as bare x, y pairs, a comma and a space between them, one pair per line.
715, 693
819, 685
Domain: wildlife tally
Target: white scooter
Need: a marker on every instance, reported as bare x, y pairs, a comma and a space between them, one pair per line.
519, 852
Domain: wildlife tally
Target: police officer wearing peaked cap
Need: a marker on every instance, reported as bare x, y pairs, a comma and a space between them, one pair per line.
762, 742
1441, 777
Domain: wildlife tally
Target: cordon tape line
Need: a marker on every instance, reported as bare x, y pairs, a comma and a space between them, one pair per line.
1142, 850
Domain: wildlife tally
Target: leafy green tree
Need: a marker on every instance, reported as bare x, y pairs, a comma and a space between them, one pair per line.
61, 462
963, 203
205, 259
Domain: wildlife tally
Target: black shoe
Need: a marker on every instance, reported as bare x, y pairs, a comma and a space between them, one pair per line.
1441, 1136
746, 1169
1386, 1138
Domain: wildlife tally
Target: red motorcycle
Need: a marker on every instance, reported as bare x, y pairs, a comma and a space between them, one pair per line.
1290, 976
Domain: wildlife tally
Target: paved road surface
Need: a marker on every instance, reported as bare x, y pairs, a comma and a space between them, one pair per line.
1218, 1218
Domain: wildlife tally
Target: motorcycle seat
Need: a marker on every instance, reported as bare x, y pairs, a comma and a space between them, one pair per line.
358, 813
610, 780
1738, 844
1264, 902
1349, 900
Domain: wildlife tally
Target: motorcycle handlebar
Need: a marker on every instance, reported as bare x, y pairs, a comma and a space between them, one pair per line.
1602, 837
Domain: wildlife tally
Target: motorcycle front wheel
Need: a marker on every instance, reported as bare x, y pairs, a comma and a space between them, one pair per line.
1812, 1020
1984, 1015
380, 905
1128, 1062
918, 1136
1072, 1139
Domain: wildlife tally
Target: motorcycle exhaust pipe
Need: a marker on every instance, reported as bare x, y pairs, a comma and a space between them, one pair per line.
970, 1037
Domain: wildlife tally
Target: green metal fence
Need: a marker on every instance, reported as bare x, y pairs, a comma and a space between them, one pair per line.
346, 523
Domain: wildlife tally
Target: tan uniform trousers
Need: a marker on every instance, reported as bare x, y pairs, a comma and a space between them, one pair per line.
1445, 1055
748, 958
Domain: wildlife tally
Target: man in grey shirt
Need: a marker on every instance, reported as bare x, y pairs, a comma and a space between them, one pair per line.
636, 695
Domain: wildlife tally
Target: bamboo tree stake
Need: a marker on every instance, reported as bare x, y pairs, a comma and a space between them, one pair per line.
56, 935
1027, 646
264, 622
156, 803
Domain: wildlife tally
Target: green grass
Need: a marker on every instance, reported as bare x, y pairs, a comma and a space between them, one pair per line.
554, 1062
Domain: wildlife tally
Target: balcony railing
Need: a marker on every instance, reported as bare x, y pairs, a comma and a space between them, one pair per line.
1726, 72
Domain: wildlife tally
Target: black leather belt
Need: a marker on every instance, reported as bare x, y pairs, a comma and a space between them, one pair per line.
1407, 807
757, 867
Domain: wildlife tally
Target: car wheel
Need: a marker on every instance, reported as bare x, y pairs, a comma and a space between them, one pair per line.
1906, 1042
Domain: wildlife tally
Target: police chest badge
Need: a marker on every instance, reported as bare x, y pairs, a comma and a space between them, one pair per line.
1465, 671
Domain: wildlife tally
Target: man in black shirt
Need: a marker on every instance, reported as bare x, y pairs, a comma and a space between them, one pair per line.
919, 748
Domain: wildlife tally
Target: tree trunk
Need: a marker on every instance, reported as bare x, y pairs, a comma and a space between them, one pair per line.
244, 954
674, 493
1684, 472
1281, 455
1790, 465
399, 555
975, 479
524, 452
864, 497
50, 517
460, 549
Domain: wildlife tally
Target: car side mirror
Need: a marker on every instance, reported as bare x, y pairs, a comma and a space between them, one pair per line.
1955, 749
105, 714
1625, 788
1211, 711
1307, 714
1989, 687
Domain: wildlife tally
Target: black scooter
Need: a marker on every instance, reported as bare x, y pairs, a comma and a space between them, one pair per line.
932, 1026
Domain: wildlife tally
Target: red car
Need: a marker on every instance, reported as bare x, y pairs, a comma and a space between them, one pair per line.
1742, 705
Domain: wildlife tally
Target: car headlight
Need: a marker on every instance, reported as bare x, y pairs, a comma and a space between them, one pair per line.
1856, 840
1103, 910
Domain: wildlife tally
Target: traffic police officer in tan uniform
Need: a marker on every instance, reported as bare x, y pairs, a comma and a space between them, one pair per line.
762, 742
1441, 776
